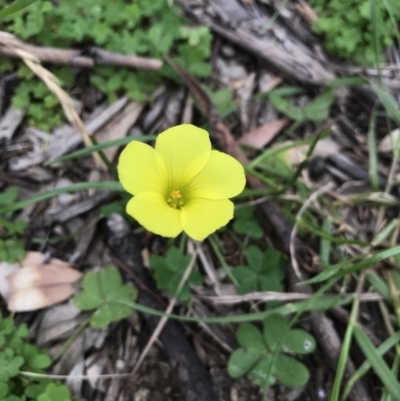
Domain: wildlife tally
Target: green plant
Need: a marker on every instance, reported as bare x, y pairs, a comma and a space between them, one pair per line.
246, 223
316, 110
264, 271
151, 28
349, 30
105, 293
12, 247
17, 355
263, 356
168, 272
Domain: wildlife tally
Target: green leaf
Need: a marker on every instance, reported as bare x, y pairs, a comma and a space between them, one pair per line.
249, 337
262, 373
22, 331
246, 278
263, 273
8, 196
55, 392
249, 228
287, 108
223, 101
275, 327
168, 272
240, 362
318, 109
255, 258
81, 186
39, 362
290, 372
105, 292
378, 364
9, 364
18, 5
298, 342
3, 389
35, 389
95, 148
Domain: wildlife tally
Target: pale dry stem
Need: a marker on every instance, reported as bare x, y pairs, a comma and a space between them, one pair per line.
51, 81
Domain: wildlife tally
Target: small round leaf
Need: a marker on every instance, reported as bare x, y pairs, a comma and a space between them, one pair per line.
41, 361
241, 361
262, 373
3, 389
275, 327
249, 337
290, 372
298, 341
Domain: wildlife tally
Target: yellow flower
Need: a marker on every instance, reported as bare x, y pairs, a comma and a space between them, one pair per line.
181, 185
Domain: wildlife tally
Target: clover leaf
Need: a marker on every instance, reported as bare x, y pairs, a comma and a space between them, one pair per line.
246, 223
9, 364
35, 359
264, 271
263, 355
168, 272
105, 292
4, 389
55, 392
316, 110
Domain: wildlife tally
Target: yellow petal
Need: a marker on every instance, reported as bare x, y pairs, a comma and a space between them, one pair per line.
185, 150
141, 169
222, 177
154, 214
201, 217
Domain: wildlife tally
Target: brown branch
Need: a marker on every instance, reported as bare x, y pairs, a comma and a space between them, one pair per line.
75, 58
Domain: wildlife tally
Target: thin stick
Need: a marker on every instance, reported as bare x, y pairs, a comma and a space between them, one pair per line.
281, 297
325, 188
171, 305
75, 58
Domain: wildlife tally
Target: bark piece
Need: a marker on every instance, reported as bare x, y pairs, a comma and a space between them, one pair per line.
258, 34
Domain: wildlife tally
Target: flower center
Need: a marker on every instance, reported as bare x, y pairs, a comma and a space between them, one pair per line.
175, 199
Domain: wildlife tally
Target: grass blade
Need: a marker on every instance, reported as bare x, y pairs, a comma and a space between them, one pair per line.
18, 5
363, 369
373, 158
377, 363
338, 270
96, 148
82, 186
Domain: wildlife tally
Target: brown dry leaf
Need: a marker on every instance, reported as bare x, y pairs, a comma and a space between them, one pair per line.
5, 270
36, 285
118, 127
389, 141
263, 134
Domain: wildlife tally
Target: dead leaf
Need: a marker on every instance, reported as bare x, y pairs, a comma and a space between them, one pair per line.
388, 143
118, 127
36, 285
263, 134
5, 270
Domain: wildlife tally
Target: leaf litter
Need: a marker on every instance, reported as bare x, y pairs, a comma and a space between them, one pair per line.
69, 229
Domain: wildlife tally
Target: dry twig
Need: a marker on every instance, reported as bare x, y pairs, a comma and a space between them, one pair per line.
13, 44
75, 58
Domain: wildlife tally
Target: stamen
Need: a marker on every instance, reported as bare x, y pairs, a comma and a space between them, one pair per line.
175, 199
176, 194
